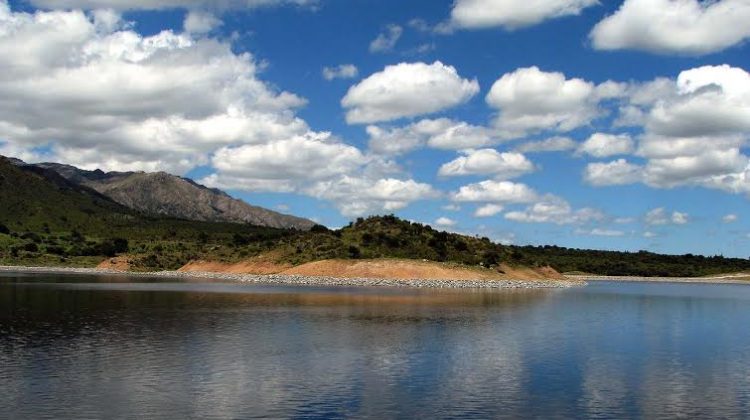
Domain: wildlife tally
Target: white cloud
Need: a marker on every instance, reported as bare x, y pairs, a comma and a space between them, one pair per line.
600, 232
343, 71
445, 222
407, 90
679, 218
552, 144
501, 166
552, 209
730, 218
512, 14
624, 220
649, 234
659, 216
695, 129
386, 40
700, 169
100, 95
166, 4
706, 101
531, 100
298, 159
674, 26
441, 133
451, 207
356, 196
199, 22
488, 210
495, 192
602, 145
618, 172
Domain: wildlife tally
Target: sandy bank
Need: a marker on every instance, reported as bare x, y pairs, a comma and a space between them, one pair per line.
379, 268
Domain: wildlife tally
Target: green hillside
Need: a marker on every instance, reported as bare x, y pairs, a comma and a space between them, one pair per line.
46, 220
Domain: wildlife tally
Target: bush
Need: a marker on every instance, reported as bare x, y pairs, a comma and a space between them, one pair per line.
31, 247
354, 252
319, 229
114, 246
4, 229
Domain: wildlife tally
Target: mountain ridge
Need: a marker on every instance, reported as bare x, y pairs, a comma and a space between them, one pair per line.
164, 194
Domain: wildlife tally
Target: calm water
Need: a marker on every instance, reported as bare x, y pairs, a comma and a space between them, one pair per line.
101, 347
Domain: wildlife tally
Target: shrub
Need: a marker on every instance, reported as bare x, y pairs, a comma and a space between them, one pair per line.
354, 252
31, 247
319, 229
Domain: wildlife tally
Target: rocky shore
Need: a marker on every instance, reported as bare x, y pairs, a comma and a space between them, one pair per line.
314, 280
728, 279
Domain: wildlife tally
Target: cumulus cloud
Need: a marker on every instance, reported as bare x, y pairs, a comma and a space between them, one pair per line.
445, 222
501, 166
407, 90
602, 145
451, 207
199, 22
600, 232
674, 26
552, 209
660, 216
511, 14
343, 71
488, 210
441, 133
531, 100
301, 158
695, 126
706, 101
99, 94
552, 144
618, 172
125, 5
679, 218
386, 40
490, 191
356, 196
730, 218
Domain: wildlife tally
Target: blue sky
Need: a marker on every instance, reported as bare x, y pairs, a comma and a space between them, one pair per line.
648, 103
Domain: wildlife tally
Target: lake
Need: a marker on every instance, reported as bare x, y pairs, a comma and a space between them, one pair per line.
117, 347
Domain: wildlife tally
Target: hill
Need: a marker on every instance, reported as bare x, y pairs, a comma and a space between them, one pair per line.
162, 194
47, 219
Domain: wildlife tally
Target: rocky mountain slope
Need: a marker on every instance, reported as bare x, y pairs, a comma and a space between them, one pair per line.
162, 194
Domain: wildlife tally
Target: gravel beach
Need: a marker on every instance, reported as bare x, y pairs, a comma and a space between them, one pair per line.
314, 280
728, 279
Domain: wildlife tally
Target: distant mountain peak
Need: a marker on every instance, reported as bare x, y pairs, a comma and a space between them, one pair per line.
164, 194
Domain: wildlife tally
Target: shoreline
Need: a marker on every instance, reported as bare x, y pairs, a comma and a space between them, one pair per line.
300, 280
729, 279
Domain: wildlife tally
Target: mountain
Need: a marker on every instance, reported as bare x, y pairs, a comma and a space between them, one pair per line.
162, 194
34, 197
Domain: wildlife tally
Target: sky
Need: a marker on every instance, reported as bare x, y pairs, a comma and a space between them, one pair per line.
617, 125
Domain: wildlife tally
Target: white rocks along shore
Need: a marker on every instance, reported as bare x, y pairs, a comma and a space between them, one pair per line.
312, 280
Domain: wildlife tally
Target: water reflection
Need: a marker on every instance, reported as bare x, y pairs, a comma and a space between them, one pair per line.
73, 347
